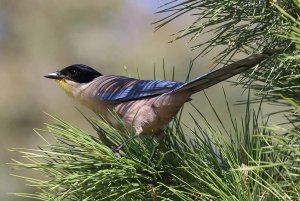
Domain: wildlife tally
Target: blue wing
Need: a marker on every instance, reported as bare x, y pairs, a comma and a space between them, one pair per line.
121, 89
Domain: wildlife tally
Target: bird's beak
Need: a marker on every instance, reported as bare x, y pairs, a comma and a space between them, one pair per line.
55, 75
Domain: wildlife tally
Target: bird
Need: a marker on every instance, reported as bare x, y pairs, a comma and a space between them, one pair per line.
144, 106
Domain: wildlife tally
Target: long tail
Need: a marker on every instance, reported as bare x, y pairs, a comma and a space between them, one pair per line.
221, 74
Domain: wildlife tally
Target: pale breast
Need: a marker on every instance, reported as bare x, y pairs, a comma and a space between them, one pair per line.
151, 114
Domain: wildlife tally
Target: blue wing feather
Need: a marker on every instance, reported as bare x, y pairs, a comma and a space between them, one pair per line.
121, 89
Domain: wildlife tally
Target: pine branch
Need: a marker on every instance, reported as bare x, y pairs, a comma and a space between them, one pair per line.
244, 162
248, 27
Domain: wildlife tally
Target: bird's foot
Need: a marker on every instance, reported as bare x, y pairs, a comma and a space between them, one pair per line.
117, 151
118, 148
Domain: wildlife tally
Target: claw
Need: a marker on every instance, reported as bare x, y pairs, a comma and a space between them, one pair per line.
116, 151
118, 148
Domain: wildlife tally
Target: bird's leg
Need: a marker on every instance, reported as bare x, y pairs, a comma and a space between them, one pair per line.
118, 148
138, 131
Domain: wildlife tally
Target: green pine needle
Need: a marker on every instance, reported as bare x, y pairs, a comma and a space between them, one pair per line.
250, 162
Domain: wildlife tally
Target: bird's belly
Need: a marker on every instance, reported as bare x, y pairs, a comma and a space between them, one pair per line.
150, 115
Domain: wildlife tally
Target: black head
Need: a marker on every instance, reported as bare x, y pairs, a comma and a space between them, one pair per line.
77, 72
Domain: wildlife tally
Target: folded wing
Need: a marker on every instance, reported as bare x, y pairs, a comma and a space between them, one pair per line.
122, 89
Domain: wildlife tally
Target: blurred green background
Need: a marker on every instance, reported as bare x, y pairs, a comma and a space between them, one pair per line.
115, 37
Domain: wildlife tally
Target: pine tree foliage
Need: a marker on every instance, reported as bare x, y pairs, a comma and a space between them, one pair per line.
239, 26
247, 161
247, 27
